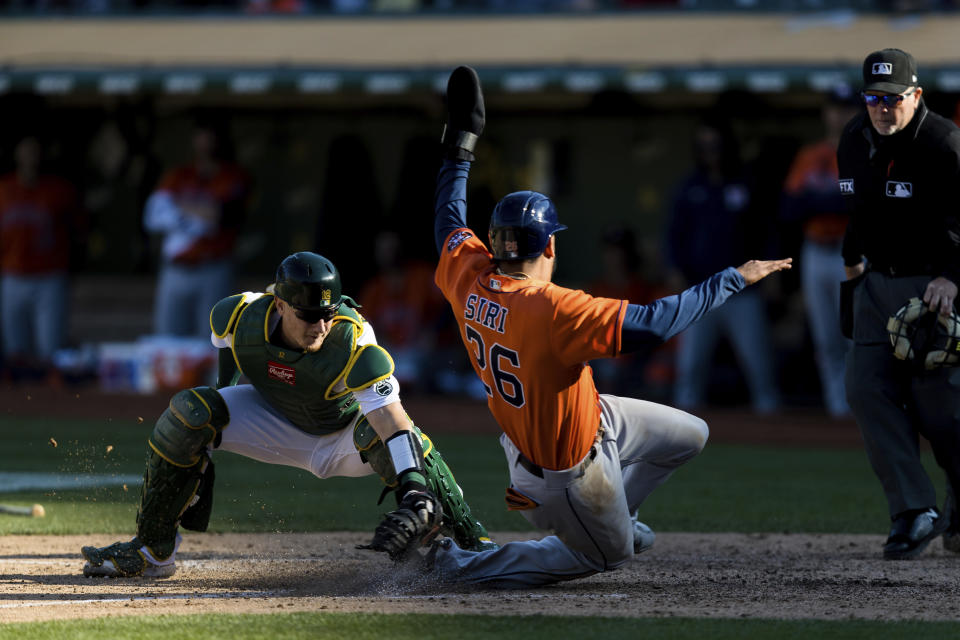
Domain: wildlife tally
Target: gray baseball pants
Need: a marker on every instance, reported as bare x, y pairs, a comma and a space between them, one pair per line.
588, 507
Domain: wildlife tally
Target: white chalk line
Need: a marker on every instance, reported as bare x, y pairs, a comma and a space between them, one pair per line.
212, 563
13, 481
525, 596
202, 596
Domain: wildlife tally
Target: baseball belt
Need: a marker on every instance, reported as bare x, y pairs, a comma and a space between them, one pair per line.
537, 470
903, 270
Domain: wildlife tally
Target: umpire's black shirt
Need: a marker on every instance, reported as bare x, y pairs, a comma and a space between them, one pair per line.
904, 192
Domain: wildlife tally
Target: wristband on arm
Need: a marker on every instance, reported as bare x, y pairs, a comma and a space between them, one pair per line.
406, 453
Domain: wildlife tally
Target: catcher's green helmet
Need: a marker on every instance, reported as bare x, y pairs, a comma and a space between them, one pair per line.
308, 281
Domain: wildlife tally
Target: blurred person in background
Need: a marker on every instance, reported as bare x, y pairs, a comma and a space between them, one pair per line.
198, 208
40, 222
812, 199
403, 302
709, 230
622, 279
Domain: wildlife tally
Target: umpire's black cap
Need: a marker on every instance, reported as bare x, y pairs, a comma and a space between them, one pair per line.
889, 70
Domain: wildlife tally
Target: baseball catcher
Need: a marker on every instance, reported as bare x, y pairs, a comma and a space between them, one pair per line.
321, 396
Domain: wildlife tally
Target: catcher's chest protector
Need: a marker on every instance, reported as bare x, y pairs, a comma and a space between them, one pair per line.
299, 385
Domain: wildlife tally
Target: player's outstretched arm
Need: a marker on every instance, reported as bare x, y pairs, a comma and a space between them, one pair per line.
756, 270
466, 117
466, 114
656, 322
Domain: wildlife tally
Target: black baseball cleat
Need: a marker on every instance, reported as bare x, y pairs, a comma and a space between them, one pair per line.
912, 531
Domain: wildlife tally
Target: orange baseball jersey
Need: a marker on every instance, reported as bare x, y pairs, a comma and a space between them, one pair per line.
529, 342
35, 225
815, 169
228, 185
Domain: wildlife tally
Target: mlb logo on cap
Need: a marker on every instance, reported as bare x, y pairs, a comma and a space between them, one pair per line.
890, 71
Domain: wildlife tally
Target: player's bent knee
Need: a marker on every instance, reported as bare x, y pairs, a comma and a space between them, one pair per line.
694, 437
700, 433
188, 425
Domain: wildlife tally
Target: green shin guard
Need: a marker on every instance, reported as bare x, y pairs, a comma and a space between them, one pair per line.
458, 521
197, 515
178, 482
167, 492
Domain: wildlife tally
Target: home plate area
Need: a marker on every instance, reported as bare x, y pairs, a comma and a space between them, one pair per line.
785, 576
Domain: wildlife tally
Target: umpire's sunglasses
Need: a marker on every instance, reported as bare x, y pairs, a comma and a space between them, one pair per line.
313, 316
888, 100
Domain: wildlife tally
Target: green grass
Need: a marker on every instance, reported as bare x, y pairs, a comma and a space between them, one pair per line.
727, 488
365, 626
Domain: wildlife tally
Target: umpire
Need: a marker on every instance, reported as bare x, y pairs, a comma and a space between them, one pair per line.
900, 172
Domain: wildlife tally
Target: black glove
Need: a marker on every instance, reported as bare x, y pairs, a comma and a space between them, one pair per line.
466, 114
415, 522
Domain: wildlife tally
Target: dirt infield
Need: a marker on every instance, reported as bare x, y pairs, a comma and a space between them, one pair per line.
685, 574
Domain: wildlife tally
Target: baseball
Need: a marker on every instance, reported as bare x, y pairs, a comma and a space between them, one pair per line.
38, 511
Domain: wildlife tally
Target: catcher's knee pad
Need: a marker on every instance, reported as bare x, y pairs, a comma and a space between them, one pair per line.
189, 425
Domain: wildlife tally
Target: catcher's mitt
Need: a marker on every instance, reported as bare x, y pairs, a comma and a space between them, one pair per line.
415, 522
924, 337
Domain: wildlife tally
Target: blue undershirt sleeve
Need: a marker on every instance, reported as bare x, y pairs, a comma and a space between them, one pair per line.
649, 325
450, 200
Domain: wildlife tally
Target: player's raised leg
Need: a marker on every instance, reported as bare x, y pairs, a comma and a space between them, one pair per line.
653, 440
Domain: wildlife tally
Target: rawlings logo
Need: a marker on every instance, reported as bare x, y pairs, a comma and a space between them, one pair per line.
846, 187
325, 296
383, 388
457, 239
282, 373
882, 68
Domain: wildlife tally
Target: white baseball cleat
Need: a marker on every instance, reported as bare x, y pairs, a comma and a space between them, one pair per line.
127, 560
643, 536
